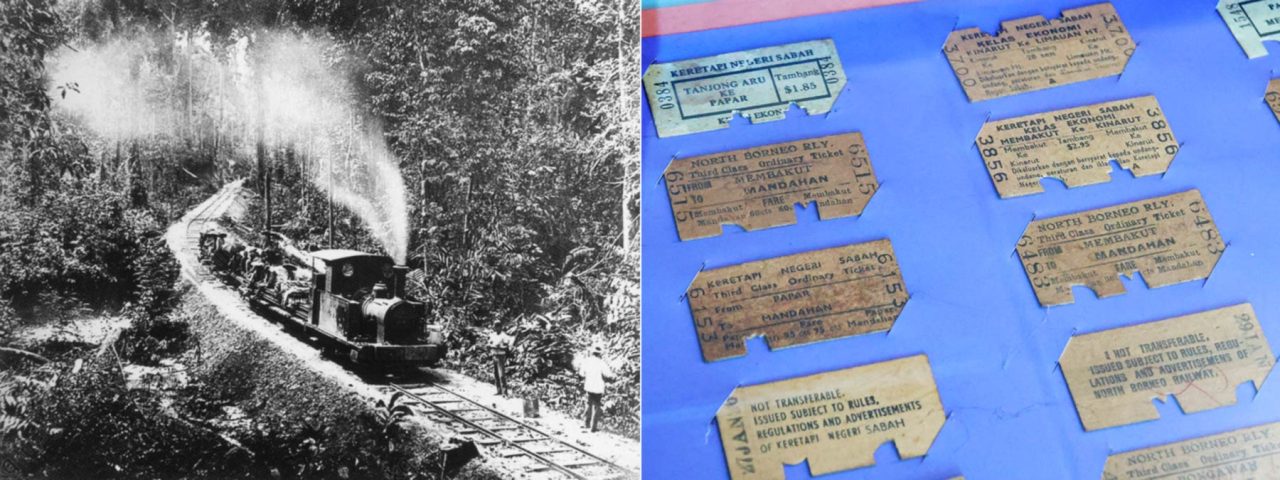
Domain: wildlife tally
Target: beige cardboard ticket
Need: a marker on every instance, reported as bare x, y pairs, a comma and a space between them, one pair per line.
759, 187
1076, 145
1033, 53
1252, 22
1244, 454
836, 420
797, 299
1273, 97
1200, 359
703, 94
1170, 239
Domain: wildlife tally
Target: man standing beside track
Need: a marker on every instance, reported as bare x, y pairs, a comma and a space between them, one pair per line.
594, 371
500, 348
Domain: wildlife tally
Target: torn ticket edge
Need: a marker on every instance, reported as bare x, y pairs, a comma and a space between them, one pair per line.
1076, 145
1033, 53
797, 299
1199, 359
1239, 454
703, 94
836, 420
757, 188
1273, 97
1169, 239
1251, 22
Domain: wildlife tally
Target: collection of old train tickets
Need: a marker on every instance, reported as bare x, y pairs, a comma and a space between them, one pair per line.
835, 420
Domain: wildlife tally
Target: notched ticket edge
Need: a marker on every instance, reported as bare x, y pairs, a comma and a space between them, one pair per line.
737, 113
795, 206
1000, 30
1164, 398
1131, 276
746, 351
933, 436
1113, 164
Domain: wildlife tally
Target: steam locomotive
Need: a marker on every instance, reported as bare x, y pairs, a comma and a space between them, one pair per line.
353, 302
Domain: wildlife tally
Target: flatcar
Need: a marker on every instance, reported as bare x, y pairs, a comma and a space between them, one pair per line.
353, 302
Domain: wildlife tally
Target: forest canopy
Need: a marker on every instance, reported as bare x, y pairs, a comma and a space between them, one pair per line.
493, 143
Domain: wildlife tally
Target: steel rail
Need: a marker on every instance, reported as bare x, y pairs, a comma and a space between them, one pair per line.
504, 416
506, 441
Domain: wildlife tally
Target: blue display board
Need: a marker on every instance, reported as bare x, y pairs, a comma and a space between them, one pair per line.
993, 349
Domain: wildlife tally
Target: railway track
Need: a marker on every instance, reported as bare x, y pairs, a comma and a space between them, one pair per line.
517, 443
204, 214
506, 436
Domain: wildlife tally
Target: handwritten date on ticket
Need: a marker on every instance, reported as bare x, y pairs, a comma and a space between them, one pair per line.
1200, 359
1170, 239
1076, 145
1244, 454
836, 419
703, 94
1033, 53
797, 299
1252, 22
757, 188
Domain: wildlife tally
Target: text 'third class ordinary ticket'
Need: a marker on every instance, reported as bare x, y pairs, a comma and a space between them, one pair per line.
1170, 239
759, 187
1247, 453
797, 299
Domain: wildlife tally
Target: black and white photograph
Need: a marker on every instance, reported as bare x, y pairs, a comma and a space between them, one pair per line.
319, 239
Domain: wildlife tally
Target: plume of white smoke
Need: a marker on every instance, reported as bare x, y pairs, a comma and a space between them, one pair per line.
279, 84
109, 85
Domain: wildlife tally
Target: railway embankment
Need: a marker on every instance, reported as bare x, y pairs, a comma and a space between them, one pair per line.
263, 374
255, 391
265, 382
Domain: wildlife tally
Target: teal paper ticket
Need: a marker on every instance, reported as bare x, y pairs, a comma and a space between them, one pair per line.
704, 94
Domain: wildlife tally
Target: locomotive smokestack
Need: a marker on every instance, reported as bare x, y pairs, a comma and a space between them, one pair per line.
401, 273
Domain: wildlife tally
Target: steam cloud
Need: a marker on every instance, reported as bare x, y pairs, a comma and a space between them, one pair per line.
298, 100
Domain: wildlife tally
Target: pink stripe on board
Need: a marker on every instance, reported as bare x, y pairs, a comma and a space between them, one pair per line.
727, 13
